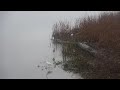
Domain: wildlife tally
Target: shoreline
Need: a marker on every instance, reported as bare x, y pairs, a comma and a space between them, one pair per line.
99, 37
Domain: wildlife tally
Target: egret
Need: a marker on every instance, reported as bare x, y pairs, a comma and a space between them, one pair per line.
53, 38
72, 34
49, 63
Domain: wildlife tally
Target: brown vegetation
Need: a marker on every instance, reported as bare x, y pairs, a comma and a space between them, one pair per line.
102, 33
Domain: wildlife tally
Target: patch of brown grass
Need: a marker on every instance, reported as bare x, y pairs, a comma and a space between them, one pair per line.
102, 33
105, 31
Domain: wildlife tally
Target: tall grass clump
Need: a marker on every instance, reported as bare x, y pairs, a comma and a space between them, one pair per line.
101, 33
61, 30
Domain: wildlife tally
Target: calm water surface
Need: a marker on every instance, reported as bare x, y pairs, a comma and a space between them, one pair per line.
26, 50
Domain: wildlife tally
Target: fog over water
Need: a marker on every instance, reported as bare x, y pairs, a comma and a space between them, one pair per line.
25, 42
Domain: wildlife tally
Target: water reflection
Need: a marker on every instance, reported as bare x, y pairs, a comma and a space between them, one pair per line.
83, 63
57, 63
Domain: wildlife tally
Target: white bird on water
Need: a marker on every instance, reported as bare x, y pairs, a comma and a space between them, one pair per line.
49, 63
53, 38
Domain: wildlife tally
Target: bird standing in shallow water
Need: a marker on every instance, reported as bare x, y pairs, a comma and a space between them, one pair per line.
49, 63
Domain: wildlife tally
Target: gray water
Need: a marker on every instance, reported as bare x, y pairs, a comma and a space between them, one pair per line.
25, 46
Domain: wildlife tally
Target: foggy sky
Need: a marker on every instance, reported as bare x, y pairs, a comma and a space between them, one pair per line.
17, 24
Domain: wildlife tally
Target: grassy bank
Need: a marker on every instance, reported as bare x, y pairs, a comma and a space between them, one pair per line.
101, 33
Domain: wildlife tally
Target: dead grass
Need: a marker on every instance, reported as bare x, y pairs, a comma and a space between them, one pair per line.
102, 33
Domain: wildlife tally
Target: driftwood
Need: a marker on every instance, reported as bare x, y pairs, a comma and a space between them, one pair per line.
87, 48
